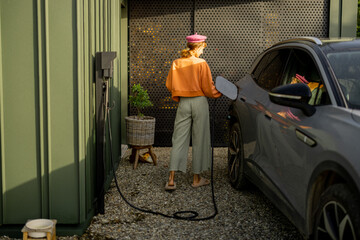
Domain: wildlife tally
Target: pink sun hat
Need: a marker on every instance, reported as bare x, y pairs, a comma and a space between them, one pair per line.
196, 38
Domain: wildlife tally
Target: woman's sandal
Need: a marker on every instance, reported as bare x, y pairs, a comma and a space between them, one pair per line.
202, 182
170, 187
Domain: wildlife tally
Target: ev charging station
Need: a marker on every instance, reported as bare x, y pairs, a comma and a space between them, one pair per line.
104, 72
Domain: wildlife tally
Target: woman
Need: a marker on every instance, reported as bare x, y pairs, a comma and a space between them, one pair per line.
190, 82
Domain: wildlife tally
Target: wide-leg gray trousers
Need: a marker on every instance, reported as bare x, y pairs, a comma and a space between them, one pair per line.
192, 117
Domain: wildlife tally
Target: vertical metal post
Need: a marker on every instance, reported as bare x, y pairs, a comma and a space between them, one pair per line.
100, 135
104, 68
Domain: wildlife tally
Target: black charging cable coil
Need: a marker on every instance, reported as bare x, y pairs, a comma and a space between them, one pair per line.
188, 215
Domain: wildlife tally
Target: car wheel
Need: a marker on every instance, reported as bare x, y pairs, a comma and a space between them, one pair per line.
338, 215
236, 158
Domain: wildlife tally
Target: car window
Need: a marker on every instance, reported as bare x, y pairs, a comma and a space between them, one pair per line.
301, 68
347, 70
269, 70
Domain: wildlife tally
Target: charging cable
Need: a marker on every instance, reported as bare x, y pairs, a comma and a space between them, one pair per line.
188, 215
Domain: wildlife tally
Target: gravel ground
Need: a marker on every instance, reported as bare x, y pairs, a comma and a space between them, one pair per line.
242, 214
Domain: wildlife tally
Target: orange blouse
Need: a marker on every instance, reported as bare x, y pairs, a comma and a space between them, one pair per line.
190, 77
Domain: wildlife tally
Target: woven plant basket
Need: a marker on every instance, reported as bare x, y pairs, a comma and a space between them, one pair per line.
140, 132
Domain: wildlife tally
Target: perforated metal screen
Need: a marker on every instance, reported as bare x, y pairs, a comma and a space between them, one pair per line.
237, 32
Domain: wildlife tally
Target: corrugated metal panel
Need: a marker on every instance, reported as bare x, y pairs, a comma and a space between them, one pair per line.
20, 110
47, 50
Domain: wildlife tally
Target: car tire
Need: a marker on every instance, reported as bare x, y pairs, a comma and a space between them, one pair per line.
338, 215
236, 158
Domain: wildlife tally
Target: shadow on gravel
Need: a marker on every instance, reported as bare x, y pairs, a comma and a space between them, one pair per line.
242, 214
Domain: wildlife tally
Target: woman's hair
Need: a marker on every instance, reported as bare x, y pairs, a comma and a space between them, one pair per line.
191, 47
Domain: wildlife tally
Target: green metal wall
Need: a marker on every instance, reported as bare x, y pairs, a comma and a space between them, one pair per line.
47, 50
343, 18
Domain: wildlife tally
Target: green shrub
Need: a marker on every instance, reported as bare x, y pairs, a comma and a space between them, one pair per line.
139, 99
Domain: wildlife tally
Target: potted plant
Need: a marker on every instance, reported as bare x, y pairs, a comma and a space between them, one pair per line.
140, 129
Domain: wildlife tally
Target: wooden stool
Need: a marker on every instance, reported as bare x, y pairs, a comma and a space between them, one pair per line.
135, 154
50, 232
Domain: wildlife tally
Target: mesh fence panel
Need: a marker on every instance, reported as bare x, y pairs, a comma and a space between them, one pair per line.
237, 32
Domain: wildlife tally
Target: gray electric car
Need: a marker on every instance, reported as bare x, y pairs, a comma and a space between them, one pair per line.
295, 134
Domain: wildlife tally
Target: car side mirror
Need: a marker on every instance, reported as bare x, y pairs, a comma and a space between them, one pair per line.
293, 95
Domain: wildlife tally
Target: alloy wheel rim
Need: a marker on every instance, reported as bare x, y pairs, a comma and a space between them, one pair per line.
335, 223
234, 151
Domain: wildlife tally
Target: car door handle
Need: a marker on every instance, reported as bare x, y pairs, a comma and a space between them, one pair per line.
305, 139
268, 115
242, 98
